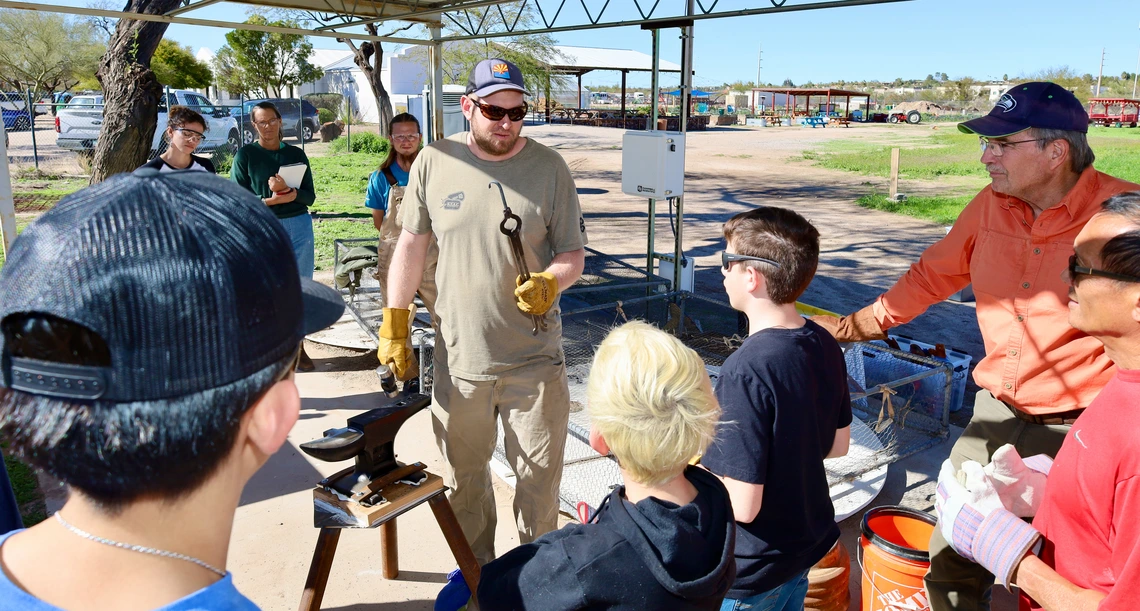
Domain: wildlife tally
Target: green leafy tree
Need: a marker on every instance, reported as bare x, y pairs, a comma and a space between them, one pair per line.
265, 63
130, 91
1080, 85
228, 74
533, 53
45, 51
176, 66
787, 83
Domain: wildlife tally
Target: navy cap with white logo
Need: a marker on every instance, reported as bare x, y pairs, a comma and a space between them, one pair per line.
494, 75
1042, 105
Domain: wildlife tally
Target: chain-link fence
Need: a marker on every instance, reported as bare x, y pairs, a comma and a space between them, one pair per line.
51, 138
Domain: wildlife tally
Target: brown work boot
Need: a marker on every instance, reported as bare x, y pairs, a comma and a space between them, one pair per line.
304, 363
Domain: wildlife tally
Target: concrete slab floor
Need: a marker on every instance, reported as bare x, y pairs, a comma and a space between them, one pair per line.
729, 170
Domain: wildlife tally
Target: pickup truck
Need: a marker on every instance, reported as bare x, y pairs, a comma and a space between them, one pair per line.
78, 123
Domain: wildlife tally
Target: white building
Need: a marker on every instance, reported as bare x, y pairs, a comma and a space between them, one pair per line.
402, 74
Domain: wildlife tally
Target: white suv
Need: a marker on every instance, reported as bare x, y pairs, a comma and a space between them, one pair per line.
78, 123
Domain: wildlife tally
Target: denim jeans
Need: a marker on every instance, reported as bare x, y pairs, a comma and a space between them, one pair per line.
787, 597
300, 230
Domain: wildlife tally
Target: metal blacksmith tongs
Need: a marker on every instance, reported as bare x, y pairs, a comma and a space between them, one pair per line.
517, 249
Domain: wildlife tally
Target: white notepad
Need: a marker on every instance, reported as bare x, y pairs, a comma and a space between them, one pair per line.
293, 174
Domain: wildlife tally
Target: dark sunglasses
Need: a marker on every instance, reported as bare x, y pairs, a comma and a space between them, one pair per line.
1075, 270
728, 258
496, 113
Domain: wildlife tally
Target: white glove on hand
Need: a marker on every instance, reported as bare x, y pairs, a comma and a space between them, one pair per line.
1020, 484
976, 524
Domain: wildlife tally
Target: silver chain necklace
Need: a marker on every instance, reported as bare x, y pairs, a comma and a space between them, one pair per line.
137, 548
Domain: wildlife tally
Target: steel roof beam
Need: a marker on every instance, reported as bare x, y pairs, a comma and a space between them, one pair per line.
186, 8
665, 21
419, 13
93, 12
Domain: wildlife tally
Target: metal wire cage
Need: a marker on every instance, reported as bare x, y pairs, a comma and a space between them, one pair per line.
900, 399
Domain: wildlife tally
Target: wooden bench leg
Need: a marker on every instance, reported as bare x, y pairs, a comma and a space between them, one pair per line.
390, 557
319, 570
456, 540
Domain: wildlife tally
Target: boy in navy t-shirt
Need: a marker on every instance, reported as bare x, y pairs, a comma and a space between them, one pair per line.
786, 407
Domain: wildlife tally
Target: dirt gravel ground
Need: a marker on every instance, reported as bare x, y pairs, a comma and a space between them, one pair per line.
731, 169
728, 170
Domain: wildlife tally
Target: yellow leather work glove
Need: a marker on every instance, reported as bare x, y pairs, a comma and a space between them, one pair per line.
535, 296
393, 346
858, 327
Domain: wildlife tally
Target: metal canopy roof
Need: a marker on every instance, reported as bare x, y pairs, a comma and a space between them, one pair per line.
798, 91
580, 60
471, 19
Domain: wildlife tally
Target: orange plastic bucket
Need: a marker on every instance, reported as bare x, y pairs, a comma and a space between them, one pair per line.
894, 557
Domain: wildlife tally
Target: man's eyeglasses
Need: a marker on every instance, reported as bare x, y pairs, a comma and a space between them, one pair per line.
496, 113
190, 135
292, 365
997, 147
405, 137
1076, 270
728, 258
269, 123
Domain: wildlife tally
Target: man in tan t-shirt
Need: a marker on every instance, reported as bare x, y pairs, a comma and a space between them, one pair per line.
487, 361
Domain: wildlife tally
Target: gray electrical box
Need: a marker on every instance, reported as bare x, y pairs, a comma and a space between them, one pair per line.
653, 164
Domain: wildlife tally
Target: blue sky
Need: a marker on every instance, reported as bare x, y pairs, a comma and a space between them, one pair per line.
978, 38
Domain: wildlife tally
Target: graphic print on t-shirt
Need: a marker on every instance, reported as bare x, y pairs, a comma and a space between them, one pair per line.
452, 202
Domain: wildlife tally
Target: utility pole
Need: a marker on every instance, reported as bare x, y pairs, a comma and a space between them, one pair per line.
759, 61
1136, 75
1099, 76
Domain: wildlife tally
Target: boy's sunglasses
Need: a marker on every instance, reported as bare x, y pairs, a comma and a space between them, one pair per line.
1075, 270
728, 258
496, 113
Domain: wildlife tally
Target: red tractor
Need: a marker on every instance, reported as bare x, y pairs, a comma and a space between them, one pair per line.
912, 117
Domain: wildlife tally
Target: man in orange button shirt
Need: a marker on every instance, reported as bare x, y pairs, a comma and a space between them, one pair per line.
1013, 241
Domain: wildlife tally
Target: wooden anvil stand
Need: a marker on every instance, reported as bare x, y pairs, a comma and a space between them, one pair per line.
399, 497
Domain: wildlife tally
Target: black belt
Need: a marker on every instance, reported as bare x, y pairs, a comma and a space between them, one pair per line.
1068, 417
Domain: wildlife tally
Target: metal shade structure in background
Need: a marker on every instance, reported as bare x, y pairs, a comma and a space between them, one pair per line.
792, 96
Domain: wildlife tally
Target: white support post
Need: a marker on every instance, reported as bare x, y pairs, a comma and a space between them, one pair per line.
436, 60
686, 100
7, 202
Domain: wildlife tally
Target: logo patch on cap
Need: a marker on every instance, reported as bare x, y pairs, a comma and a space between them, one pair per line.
1007, 103
500, 71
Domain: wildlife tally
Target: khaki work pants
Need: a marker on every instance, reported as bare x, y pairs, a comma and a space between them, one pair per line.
954, 582
534, 407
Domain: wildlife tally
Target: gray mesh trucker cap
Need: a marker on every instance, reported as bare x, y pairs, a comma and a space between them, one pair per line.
188, 278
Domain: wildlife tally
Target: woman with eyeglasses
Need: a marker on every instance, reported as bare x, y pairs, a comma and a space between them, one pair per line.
185, 130
256, 167
386, 193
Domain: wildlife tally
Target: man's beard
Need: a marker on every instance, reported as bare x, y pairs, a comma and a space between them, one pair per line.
486, 141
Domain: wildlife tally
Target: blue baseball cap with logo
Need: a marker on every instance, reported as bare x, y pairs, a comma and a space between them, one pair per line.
1042, 105
494, 75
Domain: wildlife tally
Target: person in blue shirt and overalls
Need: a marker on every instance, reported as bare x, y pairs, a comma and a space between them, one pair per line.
383, 198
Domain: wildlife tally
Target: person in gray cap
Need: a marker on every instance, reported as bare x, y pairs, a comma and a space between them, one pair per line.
1012, 241
148, 330
491, 360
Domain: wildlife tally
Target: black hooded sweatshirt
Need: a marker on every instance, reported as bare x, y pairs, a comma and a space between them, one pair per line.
649, 555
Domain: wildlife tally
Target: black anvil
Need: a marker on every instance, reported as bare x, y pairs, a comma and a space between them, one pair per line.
369, 438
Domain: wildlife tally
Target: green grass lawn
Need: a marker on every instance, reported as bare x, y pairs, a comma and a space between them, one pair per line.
27, 490
339, 211
341, 182
950, 153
